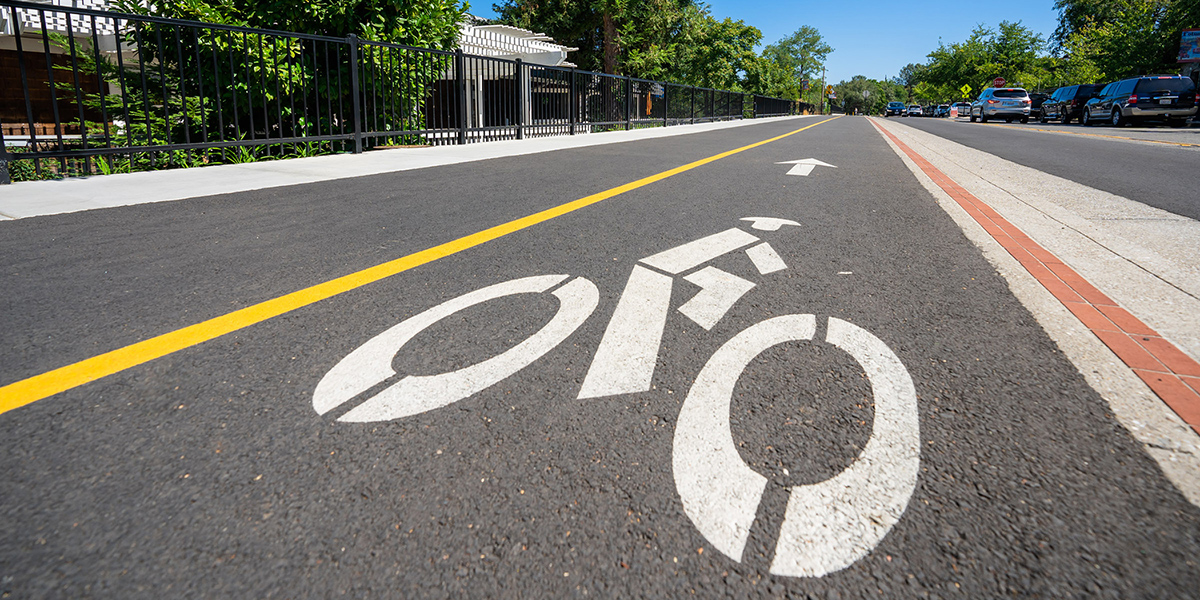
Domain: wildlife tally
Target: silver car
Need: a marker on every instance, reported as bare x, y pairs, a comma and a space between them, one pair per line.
1009, 104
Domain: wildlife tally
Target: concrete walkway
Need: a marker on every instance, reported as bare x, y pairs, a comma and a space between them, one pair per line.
34, 198
1138, 255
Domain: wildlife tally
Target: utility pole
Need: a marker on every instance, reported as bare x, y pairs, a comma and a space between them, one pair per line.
824, 84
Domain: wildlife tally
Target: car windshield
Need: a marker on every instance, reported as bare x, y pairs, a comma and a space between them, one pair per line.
1010, 94
1165, 85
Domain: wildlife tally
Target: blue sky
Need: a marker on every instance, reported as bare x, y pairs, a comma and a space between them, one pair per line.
873, 37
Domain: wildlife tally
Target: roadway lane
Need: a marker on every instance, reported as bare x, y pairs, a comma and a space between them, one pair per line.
208, 472
1157, 174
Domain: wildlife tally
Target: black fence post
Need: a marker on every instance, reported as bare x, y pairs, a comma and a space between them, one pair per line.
573, 98
628, 103
520, 101
5, 175
460, 96
352, 40
692, 109
666, 105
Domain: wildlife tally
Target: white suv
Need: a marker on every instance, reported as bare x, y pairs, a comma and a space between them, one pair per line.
1001, 103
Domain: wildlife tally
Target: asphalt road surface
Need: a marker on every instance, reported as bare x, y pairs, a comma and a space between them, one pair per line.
278, 461
1154, 166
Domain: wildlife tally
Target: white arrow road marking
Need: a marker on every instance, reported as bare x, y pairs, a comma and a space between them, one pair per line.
719, 291
371, 363
768, 223
804, 166
765, 259
624, 362
829, 525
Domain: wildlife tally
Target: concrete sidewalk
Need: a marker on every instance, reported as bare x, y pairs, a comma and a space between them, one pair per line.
34, 198
1140, 256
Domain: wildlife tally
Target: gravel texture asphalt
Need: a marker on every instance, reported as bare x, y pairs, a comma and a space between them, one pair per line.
207, 473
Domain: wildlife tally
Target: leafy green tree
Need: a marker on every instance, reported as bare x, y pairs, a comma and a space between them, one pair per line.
425, 24
878, 94
1077, 15
1012, 51
612, 36
1128, 37
910, 76
716, 54
801, 56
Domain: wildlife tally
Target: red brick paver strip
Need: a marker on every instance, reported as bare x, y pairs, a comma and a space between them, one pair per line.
1171, 374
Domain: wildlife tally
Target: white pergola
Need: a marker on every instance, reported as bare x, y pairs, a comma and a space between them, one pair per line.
504, 41
509, 43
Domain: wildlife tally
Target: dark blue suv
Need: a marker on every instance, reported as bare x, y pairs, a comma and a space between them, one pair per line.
894, 108
1168, 98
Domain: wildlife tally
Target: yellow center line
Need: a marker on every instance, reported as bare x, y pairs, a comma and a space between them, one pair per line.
26, 391
1099, 135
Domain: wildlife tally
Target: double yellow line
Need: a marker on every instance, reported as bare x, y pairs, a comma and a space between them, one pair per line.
26, 391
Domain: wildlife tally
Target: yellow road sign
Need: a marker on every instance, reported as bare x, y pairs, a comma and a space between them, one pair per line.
965, 89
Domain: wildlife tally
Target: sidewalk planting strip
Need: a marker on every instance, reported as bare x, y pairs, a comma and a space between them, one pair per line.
1171, 374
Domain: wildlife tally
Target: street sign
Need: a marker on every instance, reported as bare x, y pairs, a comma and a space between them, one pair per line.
998, 82
965, 89
804, 83
828, 90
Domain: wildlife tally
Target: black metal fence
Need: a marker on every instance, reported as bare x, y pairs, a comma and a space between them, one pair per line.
85, 92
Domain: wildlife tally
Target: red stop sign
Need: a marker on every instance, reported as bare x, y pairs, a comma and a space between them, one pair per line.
998, 82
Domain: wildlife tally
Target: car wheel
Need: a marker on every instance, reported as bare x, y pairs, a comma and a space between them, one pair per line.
1042, 117
1026, 120
1086, 119
1008, 120
972, 117
1117, 119
983, 118
1066, 118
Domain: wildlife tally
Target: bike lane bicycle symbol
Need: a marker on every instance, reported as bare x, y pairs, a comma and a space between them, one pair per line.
827, 525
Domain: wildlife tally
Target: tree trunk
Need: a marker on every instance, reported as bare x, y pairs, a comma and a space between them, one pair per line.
611, 47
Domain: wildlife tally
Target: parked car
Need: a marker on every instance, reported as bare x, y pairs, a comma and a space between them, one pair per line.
894, 108
1066, 103
1036, 100
1001, 103
1168, 98
914, 110
964, 108
943, 110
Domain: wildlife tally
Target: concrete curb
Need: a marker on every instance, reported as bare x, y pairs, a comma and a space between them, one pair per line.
1167, 438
